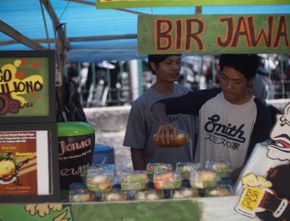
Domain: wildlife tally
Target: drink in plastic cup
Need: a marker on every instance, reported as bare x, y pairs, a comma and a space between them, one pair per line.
250, 201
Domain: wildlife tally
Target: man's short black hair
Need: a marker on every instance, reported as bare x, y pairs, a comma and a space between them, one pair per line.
247, 64
156, 58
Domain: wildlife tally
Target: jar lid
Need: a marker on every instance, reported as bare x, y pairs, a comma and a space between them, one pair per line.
71, 129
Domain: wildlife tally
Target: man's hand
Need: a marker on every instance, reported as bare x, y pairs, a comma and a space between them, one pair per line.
165, 134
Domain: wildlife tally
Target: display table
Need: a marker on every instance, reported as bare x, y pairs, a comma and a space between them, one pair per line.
213, 208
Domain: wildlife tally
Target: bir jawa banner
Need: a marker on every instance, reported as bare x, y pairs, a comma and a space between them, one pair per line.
158, 3
204, 34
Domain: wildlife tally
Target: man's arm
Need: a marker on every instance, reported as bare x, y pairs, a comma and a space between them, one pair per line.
189, 103
138, 159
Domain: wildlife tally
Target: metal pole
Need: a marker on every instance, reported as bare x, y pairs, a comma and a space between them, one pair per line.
133, 69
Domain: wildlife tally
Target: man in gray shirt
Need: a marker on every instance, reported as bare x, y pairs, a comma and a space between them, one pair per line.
142, 126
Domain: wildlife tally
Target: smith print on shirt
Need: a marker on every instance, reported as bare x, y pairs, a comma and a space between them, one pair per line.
230, 136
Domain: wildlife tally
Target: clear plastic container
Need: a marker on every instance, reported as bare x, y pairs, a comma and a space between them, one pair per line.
99, 168
152, 168
167, 180
185, 169
99, 179
81, 195
223, 169
134, 180
203, 179
220, 190
177, 141
185, 193
147, 195
115, 196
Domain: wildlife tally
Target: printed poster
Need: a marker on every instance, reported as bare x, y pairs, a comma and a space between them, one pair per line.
23, 163
24, 87
264, 185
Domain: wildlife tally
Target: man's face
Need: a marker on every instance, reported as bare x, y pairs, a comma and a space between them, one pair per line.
234, 85
168, 70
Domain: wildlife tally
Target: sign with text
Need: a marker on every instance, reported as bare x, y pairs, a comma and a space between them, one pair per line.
157, 3
204, 34
263, 184
28, 163
27, 90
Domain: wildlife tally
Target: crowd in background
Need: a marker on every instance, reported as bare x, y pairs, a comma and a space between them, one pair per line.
107, 83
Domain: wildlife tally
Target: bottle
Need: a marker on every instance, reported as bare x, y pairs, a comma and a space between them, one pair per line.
176, 141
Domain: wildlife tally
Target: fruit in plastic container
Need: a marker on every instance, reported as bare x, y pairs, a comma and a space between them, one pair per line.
136, 180
222, 168
167, 180
203, 179
185, 168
